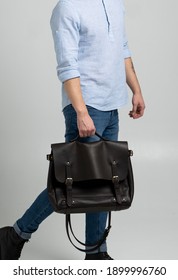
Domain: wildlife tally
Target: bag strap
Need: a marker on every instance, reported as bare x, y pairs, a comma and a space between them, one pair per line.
94, 246
116, 183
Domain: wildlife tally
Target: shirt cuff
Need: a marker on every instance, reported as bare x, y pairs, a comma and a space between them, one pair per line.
68, 75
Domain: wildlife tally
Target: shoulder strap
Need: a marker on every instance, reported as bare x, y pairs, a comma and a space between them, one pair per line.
94, 246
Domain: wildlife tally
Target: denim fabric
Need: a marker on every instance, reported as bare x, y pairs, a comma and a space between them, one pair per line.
106, 123
32, 218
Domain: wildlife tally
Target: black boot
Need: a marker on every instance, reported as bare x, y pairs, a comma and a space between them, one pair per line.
11, 244
98, 256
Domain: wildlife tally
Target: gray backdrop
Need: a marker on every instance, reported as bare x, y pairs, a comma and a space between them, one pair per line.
31, 119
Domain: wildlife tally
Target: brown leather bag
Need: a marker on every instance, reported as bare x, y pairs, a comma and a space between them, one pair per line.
90, 177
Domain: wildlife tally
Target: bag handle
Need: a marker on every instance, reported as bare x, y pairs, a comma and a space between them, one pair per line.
96, 133
94, 246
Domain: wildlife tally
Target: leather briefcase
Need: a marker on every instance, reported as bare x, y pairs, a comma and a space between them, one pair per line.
90, 177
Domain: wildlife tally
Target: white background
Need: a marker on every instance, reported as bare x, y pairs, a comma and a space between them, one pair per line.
31, 119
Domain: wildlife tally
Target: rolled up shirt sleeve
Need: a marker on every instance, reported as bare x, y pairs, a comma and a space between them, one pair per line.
65, 29
127, 52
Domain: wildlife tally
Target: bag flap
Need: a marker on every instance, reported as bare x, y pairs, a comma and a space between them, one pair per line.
90, 160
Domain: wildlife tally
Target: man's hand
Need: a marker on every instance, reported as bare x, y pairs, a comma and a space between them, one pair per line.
137, 99
138, 106
85, 124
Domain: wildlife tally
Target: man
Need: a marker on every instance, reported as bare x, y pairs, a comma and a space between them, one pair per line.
94, 65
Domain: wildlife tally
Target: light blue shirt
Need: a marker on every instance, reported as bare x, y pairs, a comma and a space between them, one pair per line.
90, 43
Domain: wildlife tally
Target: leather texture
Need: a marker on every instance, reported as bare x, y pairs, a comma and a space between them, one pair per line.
90, 177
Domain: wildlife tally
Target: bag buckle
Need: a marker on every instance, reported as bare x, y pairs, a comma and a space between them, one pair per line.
69, 181
115, 178
49, 157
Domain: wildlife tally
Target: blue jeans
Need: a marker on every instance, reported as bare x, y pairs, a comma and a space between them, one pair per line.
106, 123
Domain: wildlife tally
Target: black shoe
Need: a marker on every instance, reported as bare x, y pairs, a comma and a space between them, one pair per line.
11, 244
98, 256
